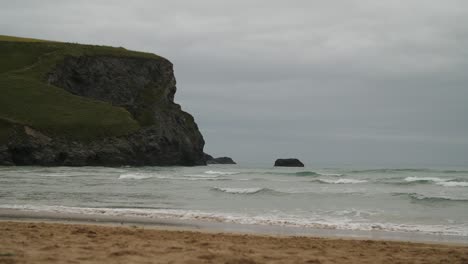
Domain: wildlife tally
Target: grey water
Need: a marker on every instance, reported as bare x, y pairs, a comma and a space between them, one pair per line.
426, 201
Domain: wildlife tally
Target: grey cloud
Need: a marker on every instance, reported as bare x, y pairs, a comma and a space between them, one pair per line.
372, 82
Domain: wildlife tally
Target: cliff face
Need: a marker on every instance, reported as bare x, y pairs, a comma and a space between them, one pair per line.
145, 87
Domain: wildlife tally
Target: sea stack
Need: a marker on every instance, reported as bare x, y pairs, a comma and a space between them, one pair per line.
292, 162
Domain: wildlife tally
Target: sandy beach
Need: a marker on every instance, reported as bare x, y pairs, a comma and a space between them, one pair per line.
42, 242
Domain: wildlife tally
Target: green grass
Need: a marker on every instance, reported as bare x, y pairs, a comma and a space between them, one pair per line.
20, 39
17, 55
27, 99
55, 111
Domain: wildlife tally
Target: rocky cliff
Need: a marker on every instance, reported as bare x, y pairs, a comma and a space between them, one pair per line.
141, 86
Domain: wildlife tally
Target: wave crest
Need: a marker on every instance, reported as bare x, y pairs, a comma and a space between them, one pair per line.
453, 184
210, 172
306, 173
134, 176
298, 173
331, 222
425, 179
242, 190
409, 170
416, 197
390, 170
341, 181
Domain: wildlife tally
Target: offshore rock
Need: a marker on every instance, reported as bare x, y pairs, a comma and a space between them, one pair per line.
220, 160
288, 163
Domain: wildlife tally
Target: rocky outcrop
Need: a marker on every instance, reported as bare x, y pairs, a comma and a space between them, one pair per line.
143, 86
220, 160
207, 157
288, 163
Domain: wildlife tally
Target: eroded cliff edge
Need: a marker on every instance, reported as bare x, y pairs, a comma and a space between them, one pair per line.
145, 87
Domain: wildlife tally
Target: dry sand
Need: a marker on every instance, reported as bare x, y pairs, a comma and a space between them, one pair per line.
36, 242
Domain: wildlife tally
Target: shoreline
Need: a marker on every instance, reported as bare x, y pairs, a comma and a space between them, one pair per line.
51, 242
205, 226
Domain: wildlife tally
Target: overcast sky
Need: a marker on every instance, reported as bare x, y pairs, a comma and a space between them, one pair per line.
334, 83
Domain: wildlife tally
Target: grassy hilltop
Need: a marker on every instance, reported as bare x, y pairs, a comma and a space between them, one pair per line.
27, 99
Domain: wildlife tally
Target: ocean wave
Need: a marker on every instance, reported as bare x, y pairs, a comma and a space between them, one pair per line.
390, 170
202, 179
209, 176
432, 180
278, 191
409, 170
425, 179
339, 221
192, 178
242, 190
187, 177
134, 176
455, 171
331, 174
210, 172
340, 181
416, 197
446, 182
453, 184
306, 173
298, 173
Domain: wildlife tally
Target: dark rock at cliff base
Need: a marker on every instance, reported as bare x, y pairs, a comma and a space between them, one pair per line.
142, 148
288, 163
219, 160
207, 157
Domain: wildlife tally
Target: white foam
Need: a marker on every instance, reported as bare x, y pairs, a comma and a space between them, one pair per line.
433, 179
342, 181
163, 177
221, 172
202, 175
193, 177
134, 176
239, 190
63, 174
453, 184
273, 218
202, 179
331, 174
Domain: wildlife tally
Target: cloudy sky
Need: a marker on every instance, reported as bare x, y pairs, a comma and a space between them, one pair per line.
334, 83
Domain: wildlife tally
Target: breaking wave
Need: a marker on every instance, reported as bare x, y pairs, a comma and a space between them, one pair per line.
453, 184
409, 170
210, 172
416, 197
447, 182
425, 179
340, 181
304, 173
243, 190
390, 170
134, 176
336, 221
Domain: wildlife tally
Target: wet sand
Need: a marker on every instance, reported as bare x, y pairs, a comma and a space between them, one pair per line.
46, 242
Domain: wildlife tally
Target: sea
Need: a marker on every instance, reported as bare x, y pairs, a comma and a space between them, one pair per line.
409, 200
